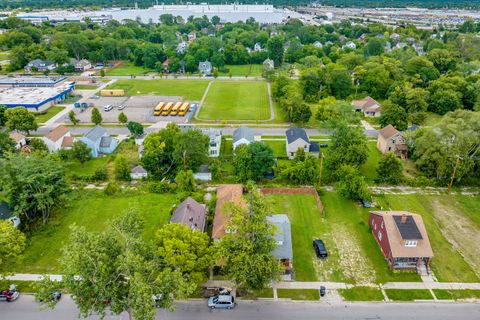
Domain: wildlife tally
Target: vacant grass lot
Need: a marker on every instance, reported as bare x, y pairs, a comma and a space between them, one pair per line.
278, 147
92, 210
408, 295
456, 294
354, 256
450, 231
236, 100
361, 294
299, 294
251, 70
188, 89
50, 112
128, 69
369, 169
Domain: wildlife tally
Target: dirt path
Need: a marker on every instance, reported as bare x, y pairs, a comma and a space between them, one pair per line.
460, 231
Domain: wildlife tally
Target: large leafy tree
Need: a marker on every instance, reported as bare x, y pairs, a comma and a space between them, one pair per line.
19, 118
7, 145
450, 146
275, 50
190, 149
305, 170
351, 184
121, 168
96, 117
185, 250
251, 162
116, 270
12, 244
390, 169
80, 151
135, 128
246, 254
33, 186
395, 115
348, 146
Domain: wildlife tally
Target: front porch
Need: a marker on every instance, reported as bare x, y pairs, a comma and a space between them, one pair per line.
420, 265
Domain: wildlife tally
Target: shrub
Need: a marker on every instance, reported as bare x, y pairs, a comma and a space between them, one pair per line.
100, 174
111, 189
161, 187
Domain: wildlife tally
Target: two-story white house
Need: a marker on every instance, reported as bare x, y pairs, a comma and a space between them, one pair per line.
59, 138
296, 138
215, 136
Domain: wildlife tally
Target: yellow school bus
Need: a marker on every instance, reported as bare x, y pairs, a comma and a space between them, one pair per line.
184, 109
158, 109
175, 108
167, 108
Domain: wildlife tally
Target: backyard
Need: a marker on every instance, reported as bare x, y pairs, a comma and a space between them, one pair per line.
236, 100
188, 89
91, 210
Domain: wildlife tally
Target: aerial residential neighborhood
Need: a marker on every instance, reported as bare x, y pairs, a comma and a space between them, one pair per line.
239, 161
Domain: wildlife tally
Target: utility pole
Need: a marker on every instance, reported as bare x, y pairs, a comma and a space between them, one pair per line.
185, 160
321, 169
457, 162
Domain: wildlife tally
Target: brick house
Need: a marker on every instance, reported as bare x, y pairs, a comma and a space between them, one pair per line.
391, 140
403, 240
226, 193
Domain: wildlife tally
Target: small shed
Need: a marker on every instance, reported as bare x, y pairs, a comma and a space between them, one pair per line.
138, 172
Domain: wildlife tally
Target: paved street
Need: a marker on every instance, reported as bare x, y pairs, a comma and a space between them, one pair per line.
26, 309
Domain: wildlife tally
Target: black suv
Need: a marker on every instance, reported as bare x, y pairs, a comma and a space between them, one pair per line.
320, 249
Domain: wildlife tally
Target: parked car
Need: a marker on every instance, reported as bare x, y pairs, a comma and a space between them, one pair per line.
121, 107
222, 301
320, 248
366, 204
108, 107
56, 295
10, 294
322, 291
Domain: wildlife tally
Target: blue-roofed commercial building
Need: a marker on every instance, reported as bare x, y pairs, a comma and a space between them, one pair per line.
283, 237
99, 141
34, 93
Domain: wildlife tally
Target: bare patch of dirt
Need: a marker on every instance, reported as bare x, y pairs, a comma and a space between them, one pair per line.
348, 260
460, 231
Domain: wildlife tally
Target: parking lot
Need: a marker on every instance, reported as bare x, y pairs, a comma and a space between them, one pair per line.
137, 108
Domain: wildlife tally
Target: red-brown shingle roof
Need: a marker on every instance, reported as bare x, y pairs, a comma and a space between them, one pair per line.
57, 133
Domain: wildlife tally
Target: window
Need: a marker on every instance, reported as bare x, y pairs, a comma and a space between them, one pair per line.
380, 235
374, 226
410, 243
381, 226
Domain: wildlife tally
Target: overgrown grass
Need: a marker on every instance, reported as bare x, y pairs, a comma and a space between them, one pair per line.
50, 112
408, 294
236, 100
92, 210
299, 294
361, 294
456, 294
85, 87
187, 89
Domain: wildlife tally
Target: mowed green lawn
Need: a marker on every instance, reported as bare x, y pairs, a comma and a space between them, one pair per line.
236, 100
92, 210
278, 147
188, 89
128, 69
42, 118
251, 70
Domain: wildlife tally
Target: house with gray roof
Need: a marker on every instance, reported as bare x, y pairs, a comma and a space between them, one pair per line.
40, 65
205, 68
283, 237
99, 141
296, 138
242, 135
190, 213
138, 172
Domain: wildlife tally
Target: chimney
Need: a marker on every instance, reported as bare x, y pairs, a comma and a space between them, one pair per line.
404, 218
188, 206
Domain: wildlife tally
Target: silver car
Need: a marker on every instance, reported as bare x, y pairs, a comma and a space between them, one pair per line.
221, 302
